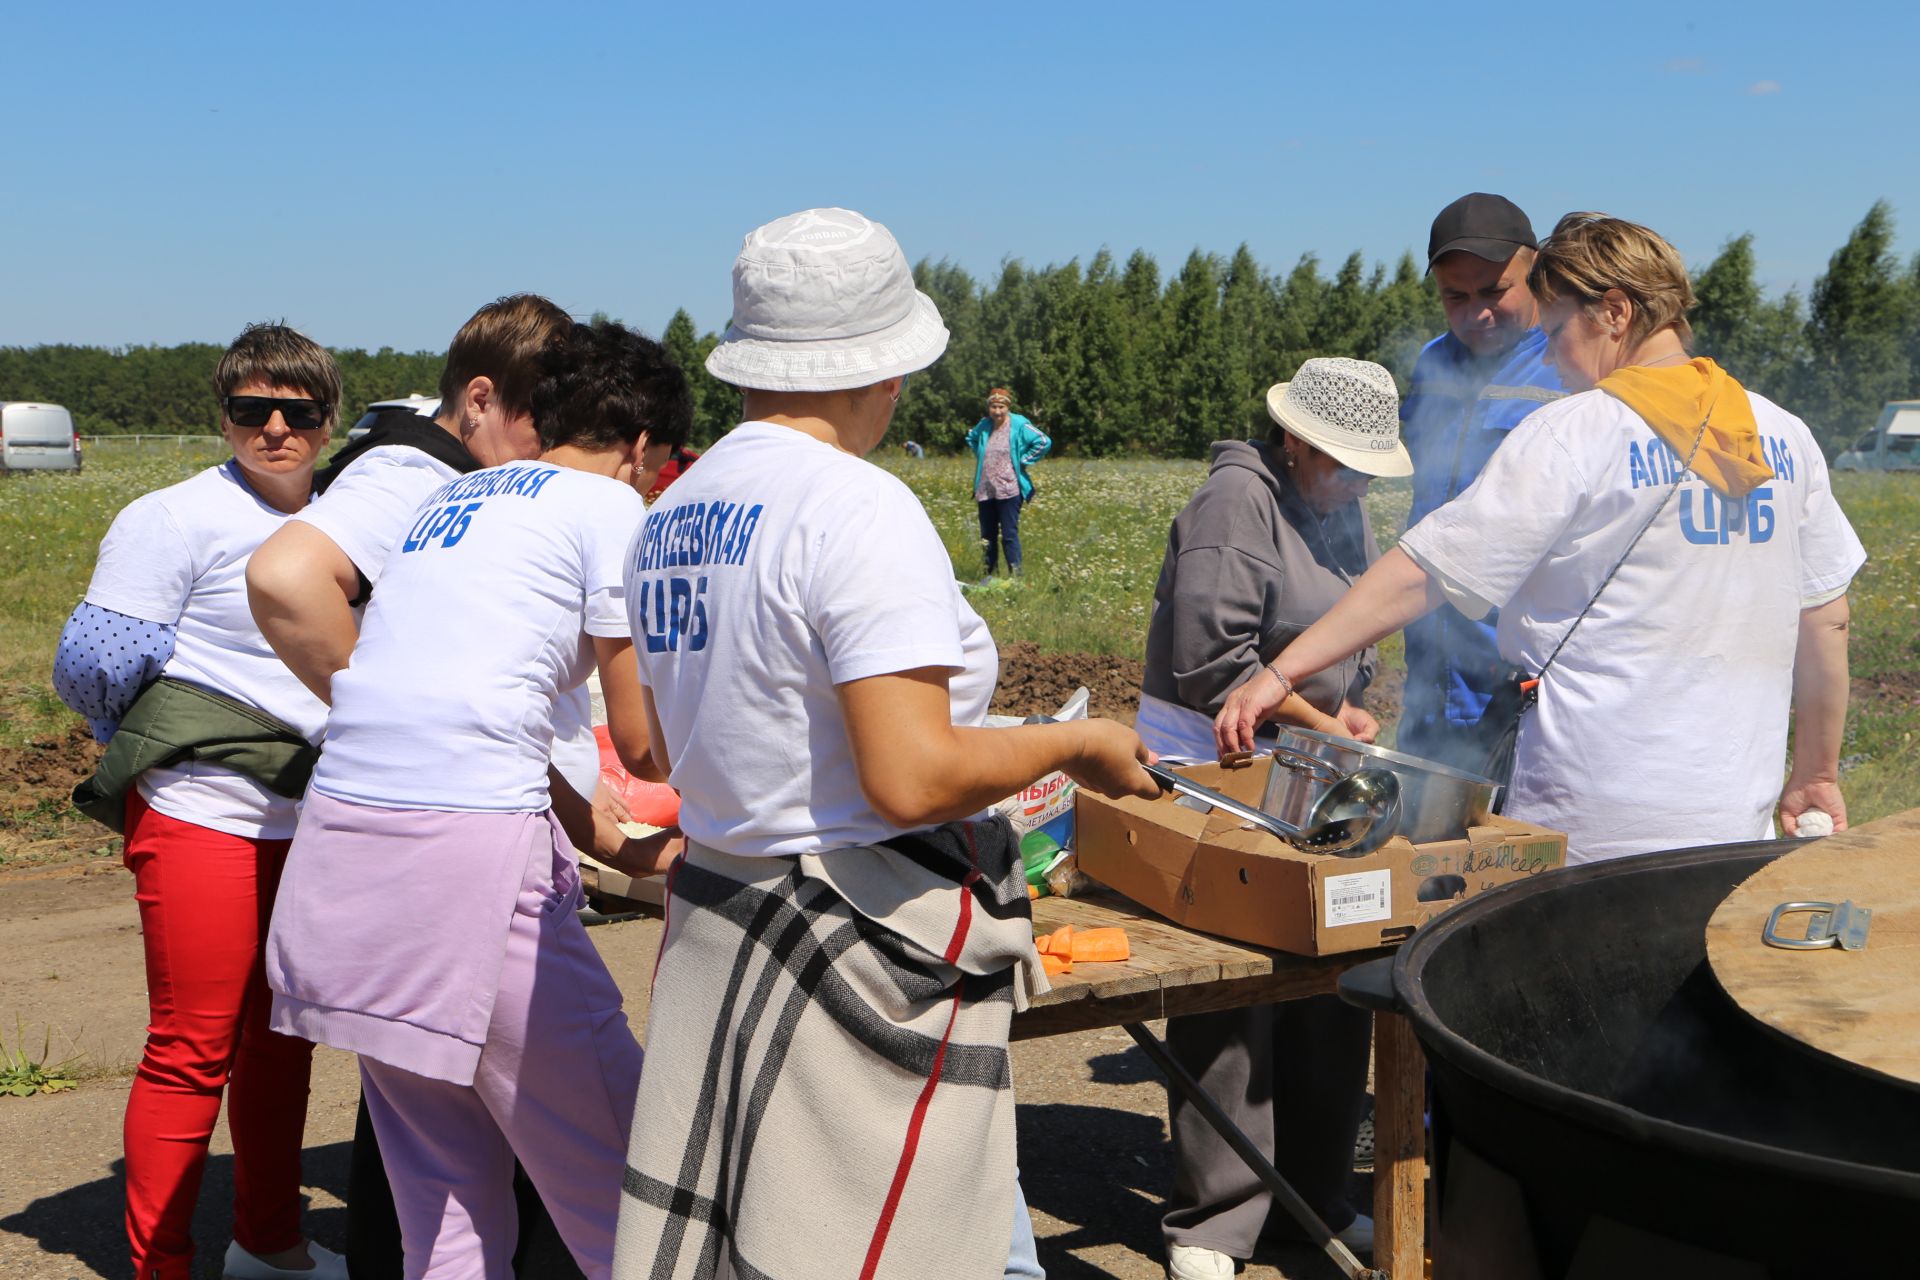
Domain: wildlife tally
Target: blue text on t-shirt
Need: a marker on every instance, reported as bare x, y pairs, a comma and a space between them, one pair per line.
449, 512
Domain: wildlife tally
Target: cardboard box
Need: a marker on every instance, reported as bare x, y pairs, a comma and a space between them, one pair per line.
1209, 872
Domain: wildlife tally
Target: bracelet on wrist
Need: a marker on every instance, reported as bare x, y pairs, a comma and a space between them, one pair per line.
1286, 685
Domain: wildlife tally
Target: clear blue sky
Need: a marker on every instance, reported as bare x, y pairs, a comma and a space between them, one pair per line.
372, 172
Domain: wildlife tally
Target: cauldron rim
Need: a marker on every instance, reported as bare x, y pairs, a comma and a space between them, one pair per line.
1612, 1117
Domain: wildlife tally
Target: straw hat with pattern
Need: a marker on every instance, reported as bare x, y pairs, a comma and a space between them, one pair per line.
1347, 409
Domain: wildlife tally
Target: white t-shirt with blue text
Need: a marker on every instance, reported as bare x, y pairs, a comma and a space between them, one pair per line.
773, 571
366, 511
179, 556
369, 506
1663, 722
479, 624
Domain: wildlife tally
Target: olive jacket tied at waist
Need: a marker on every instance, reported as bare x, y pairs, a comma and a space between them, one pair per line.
174, 721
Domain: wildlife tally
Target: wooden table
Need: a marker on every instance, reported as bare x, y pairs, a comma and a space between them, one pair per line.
1174, 971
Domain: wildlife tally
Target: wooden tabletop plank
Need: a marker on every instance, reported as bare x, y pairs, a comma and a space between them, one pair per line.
1172, 970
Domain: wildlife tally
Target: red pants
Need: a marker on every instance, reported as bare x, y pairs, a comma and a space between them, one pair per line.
205, 900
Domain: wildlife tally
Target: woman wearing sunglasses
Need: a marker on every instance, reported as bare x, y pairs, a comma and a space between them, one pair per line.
209, 741
1275, 536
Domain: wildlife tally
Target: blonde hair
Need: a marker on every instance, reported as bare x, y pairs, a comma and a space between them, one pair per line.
1590, 253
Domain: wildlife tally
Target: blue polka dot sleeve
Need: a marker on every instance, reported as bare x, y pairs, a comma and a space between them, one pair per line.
105, 659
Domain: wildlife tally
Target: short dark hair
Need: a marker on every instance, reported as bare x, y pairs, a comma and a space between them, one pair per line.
605, 385
272, 353
505, 342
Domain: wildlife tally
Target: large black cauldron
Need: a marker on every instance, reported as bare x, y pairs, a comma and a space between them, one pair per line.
1601, 1108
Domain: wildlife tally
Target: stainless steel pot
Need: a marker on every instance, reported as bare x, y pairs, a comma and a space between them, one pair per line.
1436, 802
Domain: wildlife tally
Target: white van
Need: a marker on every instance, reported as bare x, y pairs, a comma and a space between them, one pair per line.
425, 406
1893, 445
37, 437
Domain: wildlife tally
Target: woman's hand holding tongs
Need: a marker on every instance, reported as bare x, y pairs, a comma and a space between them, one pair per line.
1111, 759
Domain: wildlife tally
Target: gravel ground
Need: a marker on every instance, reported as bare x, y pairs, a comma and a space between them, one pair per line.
1092, 1114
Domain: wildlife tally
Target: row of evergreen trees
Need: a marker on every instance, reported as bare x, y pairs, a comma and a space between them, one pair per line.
169, 390
1114, 360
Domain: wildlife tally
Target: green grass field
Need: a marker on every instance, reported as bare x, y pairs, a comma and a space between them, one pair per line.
51, 524
1093, 544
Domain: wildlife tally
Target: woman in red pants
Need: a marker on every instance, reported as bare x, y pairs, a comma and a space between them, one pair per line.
209, 744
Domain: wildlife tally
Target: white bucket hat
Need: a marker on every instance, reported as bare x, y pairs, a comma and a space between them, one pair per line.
823, 300
1347, 409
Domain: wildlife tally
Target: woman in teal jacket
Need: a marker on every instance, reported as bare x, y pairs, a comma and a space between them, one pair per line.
1004, 445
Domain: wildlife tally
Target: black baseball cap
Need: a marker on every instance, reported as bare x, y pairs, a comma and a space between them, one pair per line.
1490, 227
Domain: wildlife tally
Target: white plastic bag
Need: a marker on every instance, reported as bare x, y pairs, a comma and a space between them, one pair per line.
1042, 814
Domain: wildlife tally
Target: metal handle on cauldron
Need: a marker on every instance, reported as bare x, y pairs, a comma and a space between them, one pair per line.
1171, 781
1313, 767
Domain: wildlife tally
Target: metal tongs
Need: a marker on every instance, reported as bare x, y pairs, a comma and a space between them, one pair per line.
1355, 816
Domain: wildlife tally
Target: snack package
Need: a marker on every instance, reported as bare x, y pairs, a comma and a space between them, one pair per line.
1042, 814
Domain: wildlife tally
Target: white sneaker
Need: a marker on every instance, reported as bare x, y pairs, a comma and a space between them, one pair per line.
1357, 1235
1191, 1262
241, 1265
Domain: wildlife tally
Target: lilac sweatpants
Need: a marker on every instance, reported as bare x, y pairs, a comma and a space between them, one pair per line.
555, 1087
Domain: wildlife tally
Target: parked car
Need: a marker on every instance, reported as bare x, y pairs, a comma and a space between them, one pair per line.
37, 437
1892, 445
425, 406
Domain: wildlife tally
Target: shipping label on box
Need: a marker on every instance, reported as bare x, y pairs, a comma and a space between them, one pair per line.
1359, 898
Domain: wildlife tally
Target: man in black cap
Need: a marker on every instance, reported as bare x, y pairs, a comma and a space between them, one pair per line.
1471, 385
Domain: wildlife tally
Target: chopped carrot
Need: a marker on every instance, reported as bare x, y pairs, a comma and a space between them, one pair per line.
1058, 943
1055, 965
1033, 891
1095, 945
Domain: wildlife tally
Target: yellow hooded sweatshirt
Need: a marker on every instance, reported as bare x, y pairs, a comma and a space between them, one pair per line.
1676, 399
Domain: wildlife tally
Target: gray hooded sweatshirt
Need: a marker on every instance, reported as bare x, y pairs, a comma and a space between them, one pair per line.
1249, 566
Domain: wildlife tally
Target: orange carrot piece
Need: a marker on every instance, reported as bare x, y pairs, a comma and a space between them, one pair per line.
1058, 943
1100, 945
1055, 965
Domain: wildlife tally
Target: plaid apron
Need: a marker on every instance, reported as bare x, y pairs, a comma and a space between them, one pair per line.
827, 1090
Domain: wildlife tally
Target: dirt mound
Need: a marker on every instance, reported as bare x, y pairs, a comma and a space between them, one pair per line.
1900, 686
47, 769
36, 783
1036, 683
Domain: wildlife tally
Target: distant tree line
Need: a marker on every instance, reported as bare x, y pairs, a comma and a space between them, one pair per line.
169, 390
1114, 360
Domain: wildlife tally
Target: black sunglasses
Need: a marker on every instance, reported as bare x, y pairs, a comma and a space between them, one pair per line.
254, 411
